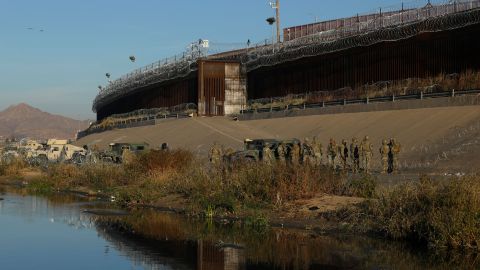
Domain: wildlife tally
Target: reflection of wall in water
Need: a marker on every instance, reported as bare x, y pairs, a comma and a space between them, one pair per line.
211, 257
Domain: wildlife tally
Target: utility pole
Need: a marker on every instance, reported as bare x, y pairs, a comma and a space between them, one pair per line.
277, 4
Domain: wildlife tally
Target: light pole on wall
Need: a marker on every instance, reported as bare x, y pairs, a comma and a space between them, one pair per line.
271, 21
276, 5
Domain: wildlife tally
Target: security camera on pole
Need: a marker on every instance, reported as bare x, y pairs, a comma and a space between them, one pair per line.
275, 5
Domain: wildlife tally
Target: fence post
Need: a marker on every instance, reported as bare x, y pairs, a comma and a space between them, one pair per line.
368, 100
393, 97
323, 104
344, 101
453, 92
421, 94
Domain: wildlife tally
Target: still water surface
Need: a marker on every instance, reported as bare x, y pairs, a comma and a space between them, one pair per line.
66, 232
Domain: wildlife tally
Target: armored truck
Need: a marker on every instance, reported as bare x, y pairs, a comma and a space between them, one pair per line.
253, 149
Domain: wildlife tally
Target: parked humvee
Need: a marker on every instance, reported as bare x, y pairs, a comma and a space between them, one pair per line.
253, 149
115, 152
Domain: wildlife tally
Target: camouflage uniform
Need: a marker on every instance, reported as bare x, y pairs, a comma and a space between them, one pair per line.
395, 149
355, 155
385, 152
215, 154
366, 152
295, 153
268, 156
307, 152
317, 150
227, 155
282, 152
332, 153
343, 151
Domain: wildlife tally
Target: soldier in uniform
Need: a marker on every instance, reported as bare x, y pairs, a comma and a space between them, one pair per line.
385, 153
366, 152
282, 152
215, 154
268, 156
307, 152
395, 149
295, 153
332, 153
355, 155
227, 155
317, 150
343, 151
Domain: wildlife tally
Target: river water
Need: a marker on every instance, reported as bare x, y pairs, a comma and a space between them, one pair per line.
69, 232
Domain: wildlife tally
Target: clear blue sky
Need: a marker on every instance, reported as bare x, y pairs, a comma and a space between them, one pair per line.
58, 70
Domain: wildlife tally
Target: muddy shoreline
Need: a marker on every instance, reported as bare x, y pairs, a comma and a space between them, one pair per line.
317, 225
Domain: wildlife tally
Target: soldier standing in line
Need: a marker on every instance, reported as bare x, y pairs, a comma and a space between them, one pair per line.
395, 149
343, 151
385, 153
268, 156
215, 154
332, 153
282, 152
355, 155
295, 153
307, 150
366, 151
317, 150
227, 154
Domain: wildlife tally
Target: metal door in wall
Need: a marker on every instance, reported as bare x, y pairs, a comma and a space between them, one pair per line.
211, 92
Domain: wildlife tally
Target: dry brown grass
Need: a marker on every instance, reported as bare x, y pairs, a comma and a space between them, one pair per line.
148, 176
436, 214
13, 167
467, 80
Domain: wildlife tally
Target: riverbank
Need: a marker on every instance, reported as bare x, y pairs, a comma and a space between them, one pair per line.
439, 214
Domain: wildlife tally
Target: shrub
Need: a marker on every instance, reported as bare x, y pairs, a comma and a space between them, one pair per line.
364, 187
443, 214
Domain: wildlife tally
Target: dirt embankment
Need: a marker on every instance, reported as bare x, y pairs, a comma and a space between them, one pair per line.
431, 138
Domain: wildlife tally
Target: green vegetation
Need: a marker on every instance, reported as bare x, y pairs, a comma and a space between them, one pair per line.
225, 188
437, 214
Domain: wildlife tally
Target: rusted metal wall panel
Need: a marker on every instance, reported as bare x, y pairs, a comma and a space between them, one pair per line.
155, 96
294, 32
211, 93
428, 54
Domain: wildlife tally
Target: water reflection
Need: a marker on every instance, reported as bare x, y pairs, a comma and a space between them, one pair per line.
147, 239
230, 246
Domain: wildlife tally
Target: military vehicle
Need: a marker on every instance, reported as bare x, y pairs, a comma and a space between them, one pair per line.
115, 152
253, 150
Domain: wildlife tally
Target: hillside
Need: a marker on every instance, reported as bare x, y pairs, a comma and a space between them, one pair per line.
23, 120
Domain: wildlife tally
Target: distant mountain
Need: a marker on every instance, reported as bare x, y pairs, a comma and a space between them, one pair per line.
23, 120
